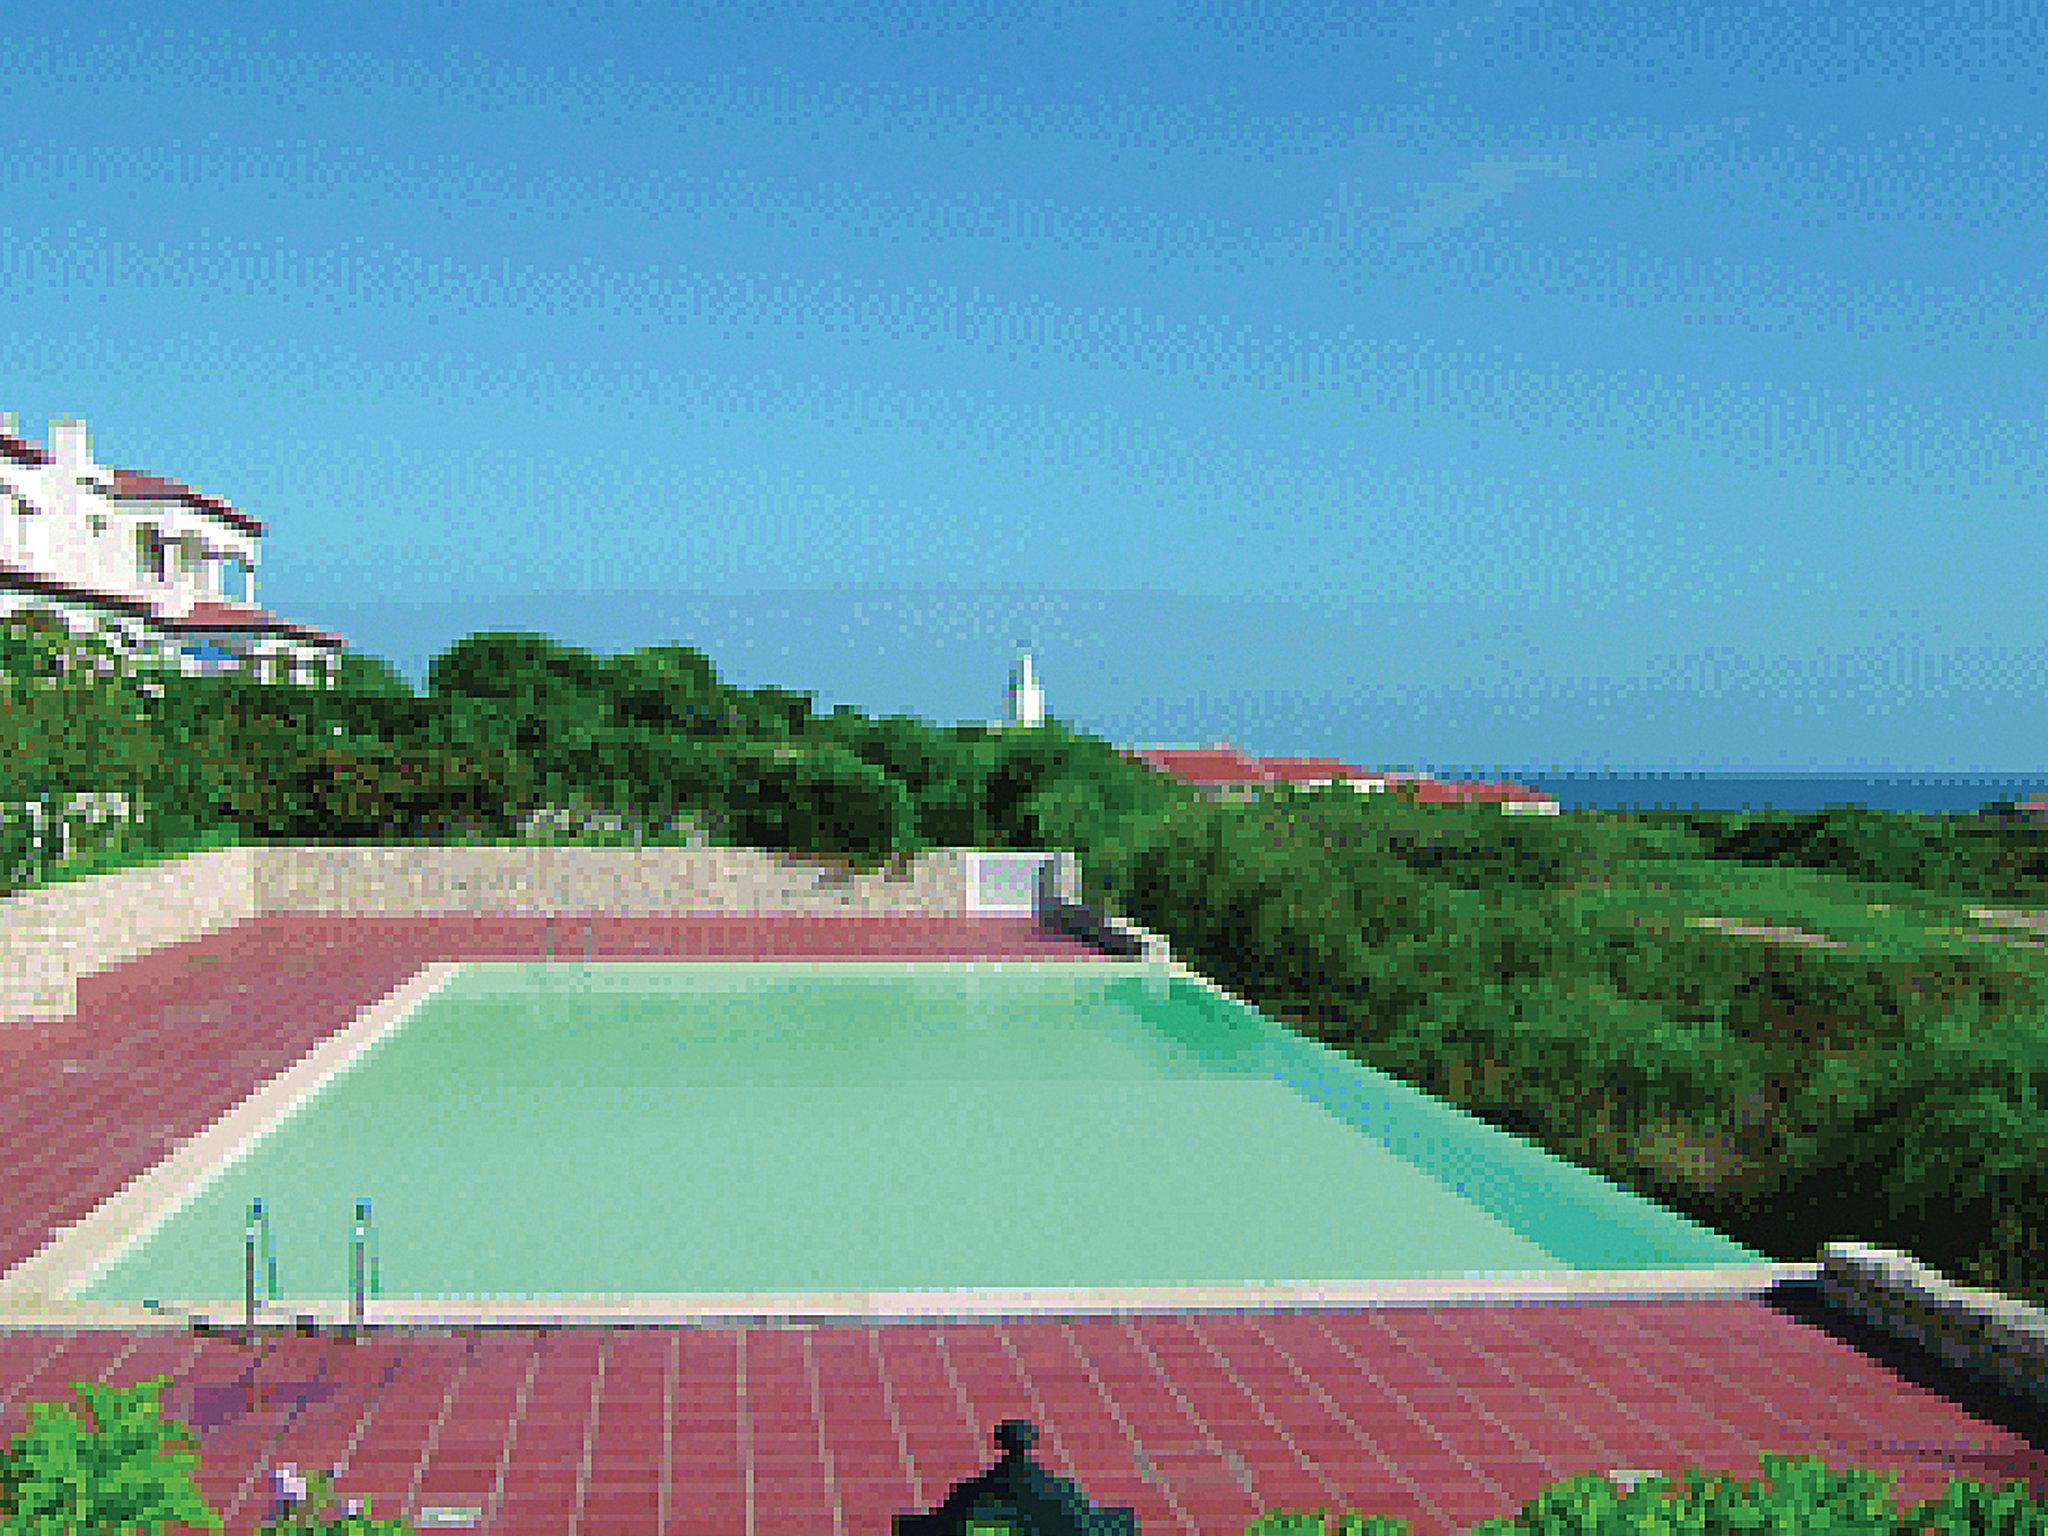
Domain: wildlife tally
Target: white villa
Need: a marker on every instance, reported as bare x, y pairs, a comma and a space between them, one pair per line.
163, 570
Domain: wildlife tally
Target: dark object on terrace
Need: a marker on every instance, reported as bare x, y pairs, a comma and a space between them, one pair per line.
1018, 1495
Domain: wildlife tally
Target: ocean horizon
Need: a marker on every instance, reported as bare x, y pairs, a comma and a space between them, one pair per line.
1927, 794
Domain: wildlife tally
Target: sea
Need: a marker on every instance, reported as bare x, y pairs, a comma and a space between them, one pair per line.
1926, 794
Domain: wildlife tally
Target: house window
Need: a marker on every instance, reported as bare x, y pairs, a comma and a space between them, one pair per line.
18, 514
149, 554
210, 656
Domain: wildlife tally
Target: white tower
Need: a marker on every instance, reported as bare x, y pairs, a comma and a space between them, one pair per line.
1027, 699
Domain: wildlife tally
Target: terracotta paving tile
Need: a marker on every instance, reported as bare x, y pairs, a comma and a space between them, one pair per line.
1442, 1416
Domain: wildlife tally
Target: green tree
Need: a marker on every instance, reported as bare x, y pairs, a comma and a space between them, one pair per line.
1019, 764
371, 675
527, 670
667, 689
818, 800
73, 721
943, 772
770, 712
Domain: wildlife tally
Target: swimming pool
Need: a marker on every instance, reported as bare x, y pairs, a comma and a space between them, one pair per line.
558, 1132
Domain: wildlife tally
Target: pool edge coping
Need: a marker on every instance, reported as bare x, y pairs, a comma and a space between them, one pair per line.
41, 1284
822, 1309
37, 1291
76, 1253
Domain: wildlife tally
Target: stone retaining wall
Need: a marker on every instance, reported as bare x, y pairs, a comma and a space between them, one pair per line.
1993, 1336
52, 936
628, 881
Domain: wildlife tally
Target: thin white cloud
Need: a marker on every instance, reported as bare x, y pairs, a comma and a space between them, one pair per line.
1473, 23
1443, 206
1434, 208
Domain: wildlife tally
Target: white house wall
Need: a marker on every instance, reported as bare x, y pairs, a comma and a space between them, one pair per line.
62, 545
175, 523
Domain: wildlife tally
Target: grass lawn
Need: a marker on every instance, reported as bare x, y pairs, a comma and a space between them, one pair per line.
1898, 921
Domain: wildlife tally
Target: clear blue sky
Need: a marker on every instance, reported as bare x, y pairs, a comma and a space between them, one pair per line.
1477, 384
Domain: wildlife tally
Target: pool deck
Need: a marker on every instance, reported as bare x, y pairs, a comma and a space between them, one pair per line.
1443, 1414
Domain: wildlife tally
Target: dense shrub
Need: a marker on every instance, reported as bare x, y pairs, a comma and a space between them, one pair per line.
1793, 1495
20, 864
529, 671
119, 1466
1296, 919
277, 780
668, 690
646, 777
1782, 992
818, 800
1963, 855
945, 772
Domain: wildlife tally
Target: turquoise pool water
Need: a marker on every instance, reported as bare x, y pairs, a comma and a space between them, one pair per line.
656, 1128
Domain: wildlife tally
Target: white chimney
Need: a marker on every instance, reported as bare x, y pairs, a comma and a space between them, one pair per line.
71, 445
10, 424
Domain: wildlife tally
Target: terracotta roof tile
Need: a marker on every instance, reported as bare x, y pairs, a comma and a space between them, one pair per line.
1206, 765
133, 485
1311, 770
245, 616
21, 450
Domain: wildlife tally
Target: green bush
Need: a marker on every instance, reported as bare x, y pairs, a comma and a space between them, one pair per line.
20, 859
125, 1469
646, 778
944, 771
317, 1516
1793, 1496
1952, 856
818, 800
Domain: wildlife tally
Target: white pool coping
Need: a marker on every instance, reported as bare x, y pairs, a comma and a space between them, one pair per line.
40, 1291
77, 1254
841, 1308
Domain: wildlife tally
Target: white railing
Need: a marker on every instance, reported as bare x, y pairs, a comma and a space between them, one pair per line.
95, 808
1009, 882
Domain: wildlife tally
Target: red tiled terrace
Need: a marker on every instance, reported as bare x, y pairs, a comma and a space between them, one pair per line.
1443, 1415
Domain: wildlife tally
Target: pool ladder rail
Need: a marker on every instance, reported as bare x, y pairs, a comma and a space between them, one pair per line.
547, 940
365, 1264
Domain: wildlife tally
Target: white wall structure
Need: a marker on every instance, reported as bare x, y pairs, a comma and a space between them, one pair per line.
52, 936
1026, 700
164, 570
1008, 882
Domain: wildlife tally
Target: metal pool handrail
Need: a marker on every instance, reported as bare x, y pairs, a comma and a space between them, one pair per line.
547, 940
365, 1265
259, 1222
365, 1277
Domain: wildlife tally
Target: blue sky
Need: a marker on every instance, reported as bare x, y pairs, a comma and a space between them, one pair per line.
1462, 385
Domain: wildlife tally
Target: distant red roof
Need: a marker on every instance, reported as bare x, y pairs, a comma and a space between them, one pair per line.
1220, 765
1515, 792
246, 616
133, 485
1433, 792
21, 450
1430, 792
1314, 770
